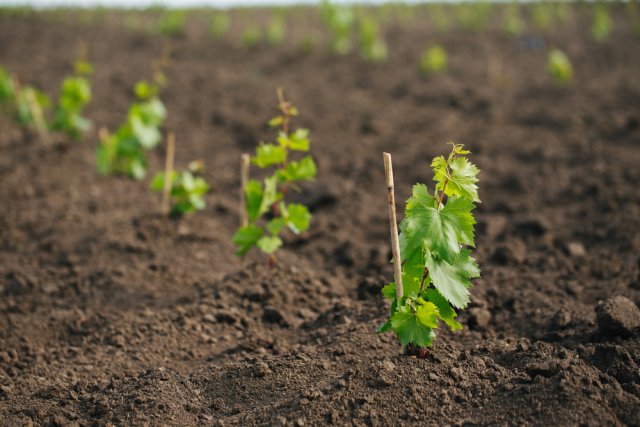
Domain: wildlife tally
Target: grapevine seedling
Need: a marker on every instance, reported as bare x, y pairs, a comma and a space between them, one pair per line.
433, 61
432, 262
172, 23
602, 22
559, 67
251, 36
220, 24
7, 90
513, 24
182, 192
276, 31
124, 153
340, 21
372, 45
267, 213
74, 96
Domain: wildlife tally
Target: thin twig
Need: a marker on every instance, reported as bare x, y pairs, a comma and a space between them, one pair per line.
168, 174
245, 163
395, 243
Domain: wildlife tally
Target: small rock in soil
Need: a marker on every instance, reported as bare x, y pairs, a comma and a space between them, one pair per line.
479, 317
511, 253
576, 249
618, 316
273, 315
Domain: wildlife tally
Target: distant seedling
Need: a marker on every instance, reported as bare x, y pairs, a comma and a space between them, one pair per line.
74, 96
251, 36
433, 266
172, 23
559, 67
276, 31
266, 214
340, 21
602, 22
124, 152
372, 44
183, 192
220, 24
433, 61
513, 24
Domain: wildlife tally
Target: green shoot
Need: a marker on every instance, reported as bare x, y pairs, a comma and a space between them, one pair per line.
474, 15
372, 45
124, 153
602, 22
513, 23
7, 90
433, 61
543, 16
267, 212
74, 96
340, 21
559, 67
172, 23
251, 36
434, 257
220, 24
276, 31
187, 189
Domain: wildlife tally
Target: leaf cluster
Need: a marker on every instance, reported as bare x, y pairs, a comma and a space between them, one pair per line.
559, 67
74, 96
19, 101
187, 190
268, 212
124, 152
372, 44
435, 237
433, 60
340, 21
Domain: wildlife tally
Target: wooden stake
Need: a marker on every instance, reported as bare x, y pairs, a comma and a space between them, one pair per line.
395, 243
168, 172
245, 162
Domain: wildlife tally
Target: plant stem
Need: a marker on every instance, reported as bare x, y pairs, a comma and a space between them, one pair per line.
168, 174
245, 163
395, 243
444, 187
424, 277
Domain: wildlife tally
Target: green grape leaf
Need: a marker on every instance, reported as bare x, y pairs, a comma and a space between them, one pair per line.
276, 121
304, 170
268, 155
452, 280
246, 238
459, 174
299, 140
416, 326
442, 231
269, 244
297, 217
253, 193
389, 291
276, 225
445, 312
270, 195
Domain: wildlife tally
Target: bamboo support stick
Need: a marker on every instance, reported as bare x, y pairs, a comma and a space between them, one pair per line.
393, 223
245, 160
168, 174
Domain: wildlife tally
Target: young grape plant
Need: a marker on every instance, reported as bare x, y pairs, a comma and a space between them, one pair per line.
372, 44
124, 152
559, 67
267, 212
340, 21
74, 96
187, 188
437, 267
433, 61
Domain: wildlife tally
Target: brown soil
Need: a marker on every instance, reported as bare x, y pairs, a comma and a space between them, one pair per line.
110, 314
